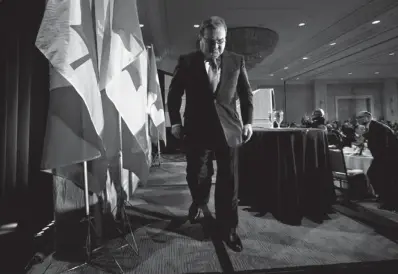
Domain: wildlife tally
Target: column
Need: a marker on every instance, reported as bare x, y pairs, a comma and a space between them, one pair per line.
390, 100
320, 97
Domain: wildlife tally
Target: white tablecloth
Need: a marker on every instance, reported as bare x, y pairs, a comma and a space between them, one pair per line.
362, 162
357, 162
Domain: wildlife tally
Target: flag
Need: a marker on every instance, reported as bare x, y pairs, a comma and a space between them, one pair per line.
75, 122
119, 35
123, 75
157, 123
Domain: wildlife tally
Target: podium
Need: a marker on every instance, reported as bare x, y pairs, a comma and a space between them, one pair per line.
263, 103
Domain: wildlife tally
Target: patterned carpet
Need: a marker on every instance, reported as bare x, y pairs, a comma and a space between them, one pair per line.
171, 172
172, 158
168, 243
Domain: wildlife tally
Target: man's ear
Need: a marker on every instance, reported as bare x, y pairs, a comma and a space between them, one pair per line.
198, 43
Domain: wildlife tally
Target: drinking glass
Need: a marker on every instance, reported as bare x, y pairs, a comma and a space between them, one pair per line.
278, 117
271, 116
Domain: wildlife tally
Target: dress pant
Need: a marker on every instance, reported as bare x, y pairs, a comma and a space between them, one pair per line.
384, 179
199, 177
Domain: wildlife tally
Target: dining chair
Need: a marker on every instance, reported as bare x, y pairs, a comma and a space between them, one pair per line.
342, 174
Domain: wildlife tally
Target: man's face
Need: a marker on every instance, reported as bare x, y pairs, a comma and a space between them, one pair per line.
362, 119
212, 43
360, 129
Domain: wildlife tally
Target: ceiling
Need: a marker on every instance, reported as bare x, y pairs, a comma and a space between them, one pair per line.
362, 50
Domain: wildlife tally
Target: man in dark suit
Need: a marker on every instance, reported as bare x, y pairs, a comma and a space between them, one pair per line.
383, 145
213, 80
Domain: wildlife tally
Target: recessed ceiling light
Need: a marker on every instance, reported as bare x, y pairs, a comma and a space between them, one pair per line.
301, 24
375, 22
141, 25
349, 73
285, 67
297, 78
392, 53
332, 44
305, 58
196, 26
281, 78
377, 72
271, 74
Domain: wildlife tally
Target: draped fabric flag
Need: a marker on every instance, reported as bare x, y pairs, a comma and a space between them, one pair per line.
92, 46
75, 118
124, 77
157, 122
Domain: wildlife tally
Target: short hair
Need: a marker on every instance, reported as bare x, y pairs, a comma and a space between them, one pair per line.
320, 111
365, 113
212, 23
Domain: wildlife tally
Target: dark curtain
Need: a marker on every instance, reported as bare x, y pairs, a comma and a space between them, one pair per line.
25, 191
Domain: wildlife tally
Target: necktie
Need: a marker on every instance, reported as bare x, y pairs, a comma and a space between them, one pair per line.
213, 73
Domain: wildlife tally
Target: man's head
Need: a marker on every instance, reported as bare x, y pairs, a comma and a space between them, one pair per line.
212, 35
318, 113
360, 129
364, 117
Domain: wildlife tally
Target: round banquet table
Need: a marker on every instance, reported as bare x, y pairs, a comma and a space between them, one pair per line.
287, 172
361, 162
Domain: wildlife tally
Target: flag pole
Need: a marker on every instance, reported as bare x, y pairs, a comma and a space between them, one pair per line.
160, 160
87, 206
88, 218
121, 201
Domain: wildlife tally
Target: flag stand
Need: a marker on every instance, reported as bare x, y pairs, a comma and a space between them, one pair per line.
121, 208
159, 155
121, 205
88, 218
157, 160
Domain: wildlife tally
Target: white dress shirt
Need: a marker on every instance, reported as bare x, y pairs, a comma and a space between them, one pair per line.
207, 66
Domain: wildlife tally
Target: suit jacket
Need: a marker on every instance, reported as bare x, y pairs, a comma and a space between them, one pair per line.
318, 121
211, 118
382, 142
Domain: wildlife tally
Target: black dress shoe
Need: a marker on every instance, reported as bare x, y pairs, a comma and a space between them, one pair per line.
233, 241
194, 213
387, 206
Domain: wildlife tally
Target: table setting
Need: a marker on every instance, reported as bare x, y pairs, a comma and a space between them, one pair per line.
357, 157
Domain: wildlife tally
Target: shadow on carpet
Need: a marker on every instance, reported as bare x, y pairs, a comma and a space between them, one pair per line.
168, 243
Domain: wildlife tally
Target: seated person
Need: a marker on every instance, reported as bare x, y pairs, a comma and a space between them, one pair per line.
305, 122
336, 125
348, 135
359, 131
334, 137
318, 119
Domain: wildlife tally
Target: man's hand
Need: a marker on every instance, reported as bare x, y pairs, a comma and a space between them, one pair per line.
176, 131
247, 132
